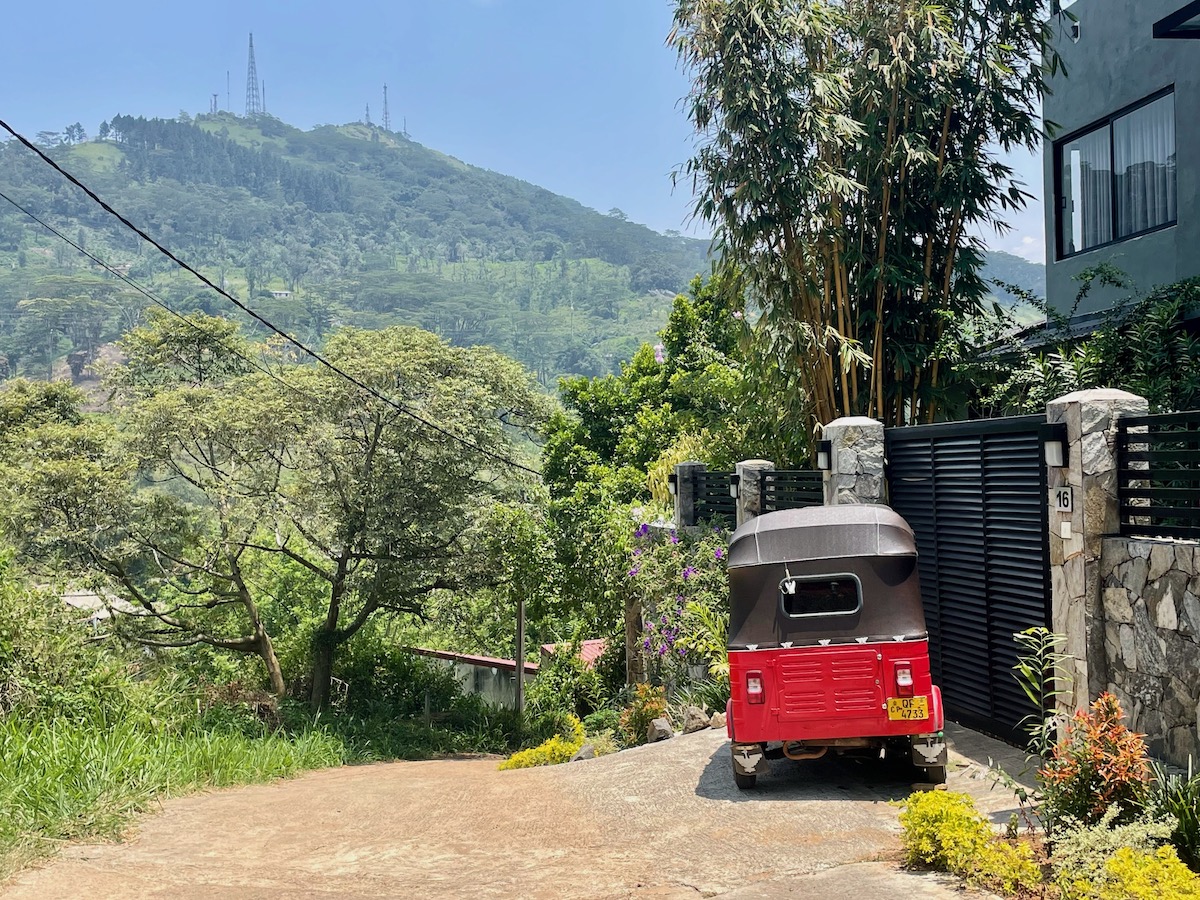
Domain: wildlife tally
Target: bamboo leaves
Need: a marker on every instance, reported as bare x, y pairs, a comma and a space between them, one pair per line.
847, 162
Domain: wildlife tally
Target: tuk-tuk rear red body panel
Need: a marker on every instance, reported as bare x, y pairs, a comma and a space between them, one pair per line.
815, 693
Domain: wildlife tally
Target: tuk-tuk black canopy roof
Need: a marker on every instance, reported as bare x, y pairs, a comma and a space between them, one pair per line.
870, 544
821, 532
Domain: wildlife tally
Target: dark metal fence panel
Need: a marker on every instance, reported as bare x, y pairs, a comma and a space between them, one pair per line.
714, 503
975, 495
790, 489
1158, 475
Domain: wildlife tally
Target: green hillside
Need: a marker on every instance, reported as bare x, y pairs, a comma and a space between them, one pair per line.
357, 225
338, 225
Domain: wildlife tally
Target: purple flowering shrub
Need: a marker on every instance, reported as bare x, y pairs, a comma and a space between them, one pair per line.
681, 582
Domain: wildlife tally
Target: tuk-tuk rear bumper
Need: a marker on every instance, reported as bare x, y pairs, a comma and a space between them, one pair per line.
811, 695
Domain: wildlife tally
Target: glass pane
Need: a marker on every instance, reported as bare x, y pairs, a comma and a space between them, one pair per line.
1144, 153
1085, 207
820, 596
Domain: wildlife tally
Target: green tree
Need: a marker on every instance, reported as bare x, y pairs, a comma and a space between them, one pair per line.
849, 152
220, 469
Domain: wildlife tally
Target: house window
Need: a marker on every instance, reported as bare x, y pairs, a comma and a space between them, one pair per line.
1117, 179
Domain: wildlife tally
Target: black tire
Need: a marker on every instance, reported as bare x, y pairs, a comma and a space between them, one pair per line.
744, 782
935, 774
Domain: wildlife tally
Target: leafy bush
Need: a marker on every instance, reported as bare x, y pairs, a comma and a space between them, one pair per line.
1098, 764
711, 694
1135, 875
559, 748
566, 683
649, 703
386, 680
603, 743
1178, 796
943, 831
680, 583
601, 720
1081, 851
1008, 867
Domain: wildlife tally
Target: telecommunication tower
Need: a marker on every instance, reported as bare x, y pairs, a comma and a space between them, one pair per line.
253, 97
387, 119
368, 118
212, 105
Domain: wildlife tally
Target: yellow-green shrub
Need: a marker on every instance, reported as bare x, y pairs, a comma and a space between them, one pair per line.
559, 748
1007, 868
1081, 852
1134, 875
943, 830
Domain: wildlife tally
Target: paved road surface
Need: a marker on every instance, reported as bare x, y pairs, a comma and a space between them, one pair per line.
662, 821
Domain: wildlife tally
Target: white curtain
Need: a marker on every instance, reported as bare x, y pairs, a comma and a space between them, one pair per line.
1144, 151
1087, 192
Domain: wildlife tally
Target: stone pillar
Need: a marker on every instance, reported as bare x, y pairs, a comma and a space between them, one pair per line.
685, 492
749, 499
856, 461
1076, 537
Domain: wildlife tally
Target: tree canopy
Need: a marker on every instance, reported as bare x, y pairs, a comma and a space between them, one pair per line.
221, 469
848, 150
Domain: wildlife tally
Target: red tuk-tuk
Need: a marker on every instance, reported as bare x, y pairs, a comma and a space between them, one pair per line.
827, 642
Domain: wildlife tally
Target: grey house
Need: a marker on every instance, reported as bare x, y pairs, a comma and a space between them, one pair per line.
1122, 170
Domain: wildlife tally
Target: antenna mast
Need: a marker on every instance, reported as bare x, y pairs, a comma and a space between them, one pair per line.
368, 118
387, 119
253, 98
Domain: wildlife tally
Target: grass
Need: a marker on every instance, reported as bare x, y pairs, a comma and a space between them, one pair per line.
101, 157
62, 781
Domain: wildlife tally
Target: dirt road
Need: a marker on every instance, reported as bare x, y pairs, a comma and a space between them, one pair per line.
662, 821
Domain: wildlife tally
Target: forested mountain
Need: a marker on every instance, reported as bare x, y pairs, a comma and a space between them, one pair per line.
338, 225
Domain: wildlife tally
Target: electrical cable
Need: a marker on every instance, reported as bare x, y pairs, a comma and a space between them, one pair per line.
314, 355
153, 298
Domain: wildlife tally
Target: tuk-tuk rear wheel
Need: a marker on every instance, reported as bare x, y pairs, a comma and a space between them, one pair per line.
744, 782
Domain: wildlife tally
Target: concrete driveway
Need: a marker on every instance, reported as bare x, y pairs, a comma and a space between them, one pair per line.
663, 821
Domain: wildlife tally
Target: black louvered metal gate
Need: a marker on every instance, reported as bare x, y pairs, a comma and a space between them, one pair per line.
975, 494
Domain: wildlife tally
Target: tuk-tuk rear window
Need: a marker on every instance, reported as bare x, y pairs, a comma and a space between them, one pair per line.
821, 595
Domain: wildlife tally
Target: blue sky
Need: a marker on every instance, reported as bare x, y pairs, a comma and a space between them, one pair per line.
581, 98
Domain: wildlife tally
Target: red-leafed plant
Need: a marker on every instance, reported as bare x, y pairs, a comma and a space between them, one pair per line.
1098, 763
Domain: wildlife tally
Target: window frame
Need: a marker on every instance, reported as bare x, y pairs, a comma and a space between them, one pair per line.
831, 576
1104, 123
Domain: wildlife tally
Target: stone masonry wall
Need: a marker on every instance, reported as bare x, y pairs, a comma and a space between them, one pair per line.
1151, 597
856, 461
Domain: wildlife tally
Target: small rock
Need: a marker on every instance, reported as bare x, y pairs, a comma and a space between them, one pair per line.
694, 719
587, 751
659, 730
717, 720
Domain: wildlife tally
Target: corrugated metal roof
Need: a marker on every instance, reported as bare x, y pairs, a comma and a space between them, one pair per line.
470, 659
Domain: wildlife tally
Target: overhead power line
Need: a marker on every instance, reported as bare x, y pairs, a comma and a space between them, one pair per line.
299, 345
154, 298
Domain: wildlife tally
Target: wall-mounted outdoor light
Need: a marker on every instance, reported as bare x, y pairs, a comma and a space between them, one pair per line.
672, 480
824, 455
1056, 445
734, 480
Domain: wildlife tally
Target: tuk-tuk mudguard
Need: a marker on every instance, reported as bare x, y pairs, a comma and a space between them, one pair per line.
824, 692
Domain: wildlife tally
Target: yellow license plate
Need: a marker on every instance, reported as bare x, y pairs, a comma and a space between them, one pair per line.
908, 707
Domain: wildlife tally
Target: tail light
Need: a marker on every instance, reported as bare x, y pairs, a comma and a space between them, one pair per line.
754, 687
904, 679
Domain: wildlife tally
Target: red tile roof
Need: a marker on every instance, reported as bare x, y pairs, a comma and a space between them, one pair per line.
589, 651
